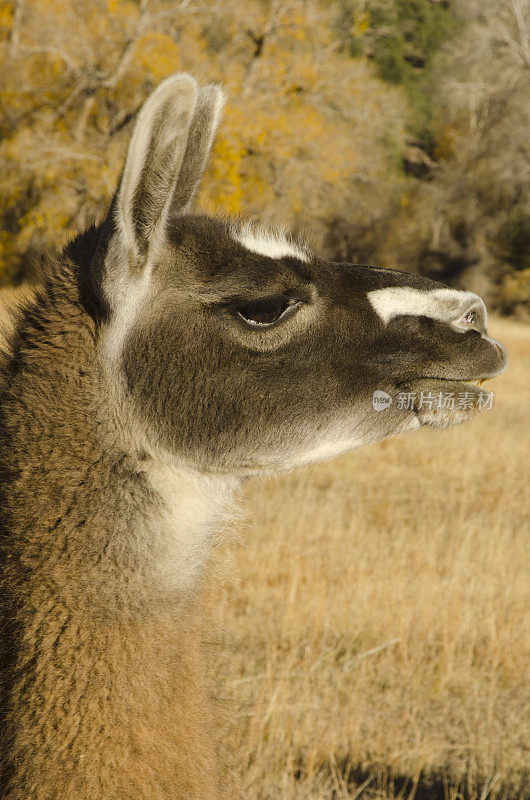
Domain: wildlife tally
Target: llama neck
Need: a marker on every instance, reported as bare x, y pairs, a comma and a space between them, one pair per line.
103, 549
194, 509
84, 484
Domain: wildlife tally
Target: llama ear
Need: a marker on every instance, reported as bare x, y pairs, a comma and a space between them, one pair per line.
166, 158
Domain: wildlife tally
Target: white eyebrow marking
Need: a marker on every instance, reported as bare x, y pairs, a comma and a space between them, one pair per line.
274, 244
442, 304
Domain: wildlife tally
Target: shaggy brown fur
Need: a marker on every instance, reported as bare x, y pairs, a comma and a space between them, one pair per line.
101, 680
11, 299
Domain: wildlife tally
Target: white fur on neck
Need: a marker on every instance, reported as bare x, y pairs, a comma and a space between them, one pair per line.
273, 244
194, 509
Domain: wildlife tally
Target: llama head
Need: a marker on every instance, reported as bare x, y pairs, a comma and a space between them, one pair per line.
242, 351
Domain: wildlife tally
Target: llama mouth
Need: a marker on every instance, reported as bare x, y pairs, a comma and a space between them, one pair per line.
478, 382
441, 402
438, 402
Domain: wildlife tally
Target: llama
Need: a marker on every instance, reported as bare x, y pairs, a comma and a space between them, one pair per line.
166, 357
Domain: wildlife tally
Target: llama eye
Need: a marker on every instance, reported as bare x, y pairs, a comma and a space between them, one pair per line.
266, 312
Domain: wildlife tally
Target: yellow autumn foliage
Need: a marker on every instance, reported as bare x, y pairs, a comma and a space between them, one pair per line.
308, 130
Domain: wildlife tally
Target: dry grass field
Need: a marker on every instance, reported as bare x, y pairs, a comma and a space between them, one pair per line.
375, 612
372, 616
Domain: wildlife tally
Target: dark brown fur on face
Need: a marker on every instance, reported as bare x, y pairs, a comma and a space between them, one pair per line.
134, 395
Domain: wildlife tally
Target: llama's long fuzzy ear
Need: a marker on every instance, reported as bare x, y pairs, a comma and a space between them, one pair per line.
167, 154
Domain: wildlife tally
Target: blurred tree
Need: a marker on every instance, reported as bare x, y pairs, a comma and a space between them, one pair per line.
483, 124
402, 38
73, 75
393, 131
470, 225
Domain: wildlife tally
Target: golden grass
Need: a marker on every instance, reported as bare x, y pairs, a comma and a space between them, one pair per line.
375, 615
